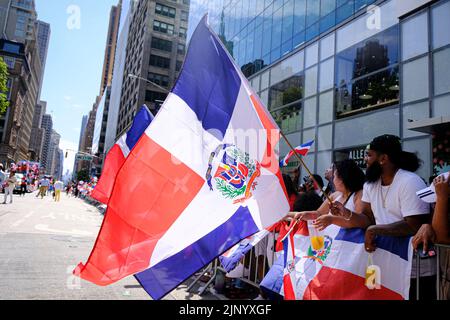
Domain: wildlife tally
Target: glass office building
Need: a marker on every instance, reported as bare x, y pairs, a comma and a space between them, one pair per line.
342, 72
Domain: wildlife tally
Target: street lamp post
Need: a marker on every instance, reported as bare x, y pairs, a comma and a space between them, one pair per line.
133, 76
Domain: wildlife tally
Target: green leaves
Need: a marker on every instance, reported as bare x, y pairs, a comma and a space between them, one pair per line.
4, 103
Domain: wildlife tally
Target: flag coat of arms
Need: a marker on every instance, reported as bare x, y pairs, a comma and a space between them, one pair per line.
118, 153
188, 190
333, 266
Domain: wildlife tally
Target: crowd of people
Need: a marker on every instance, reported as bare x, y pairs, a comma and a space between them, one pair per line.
383, 201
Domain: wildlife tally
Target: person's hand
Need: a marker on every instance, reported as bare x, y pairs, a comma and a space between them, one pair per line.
424, 236
323, 222
338, 209
305, 216
369, 242
329, 174
442, 187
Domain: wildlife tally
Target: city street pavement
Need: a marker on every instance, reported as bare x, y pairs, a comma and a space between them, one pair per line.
41, 242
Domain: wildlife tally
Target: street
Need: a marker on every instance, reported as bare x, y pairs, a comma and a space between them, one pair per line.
42, 241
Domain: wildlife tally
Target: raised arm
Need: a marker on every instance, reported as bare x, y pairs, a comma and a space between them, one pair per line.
440, 218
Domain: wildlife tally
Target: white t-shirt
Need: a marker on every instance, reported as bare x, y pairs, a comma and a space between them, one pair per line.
401, 201
59, 185
400, 196
45, 183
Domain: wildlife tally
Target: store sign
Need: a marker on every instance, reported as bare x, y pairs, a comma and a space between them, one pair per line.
358, 154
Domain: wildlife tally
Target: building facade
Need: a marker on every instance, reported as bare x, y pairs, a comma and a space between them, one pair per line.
343, 72
19, 48
37, 132
155, 52
98, 142
118, 74
84, 121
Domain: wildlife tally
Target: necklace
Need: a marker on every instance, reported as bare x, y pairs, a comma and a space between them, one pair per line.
384, 196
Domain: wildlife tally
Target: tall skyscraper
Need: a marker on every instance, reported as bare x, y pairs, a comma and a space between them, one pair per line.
46, 156
37, 132
110, 49
43, 40
155, 52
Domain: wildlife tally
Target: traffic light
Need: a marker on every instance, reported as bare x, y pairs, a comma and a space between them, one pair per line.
67, 154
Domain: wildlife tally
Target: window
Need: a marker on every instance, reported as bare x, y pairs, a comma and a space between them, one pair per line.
160, 62
163, 27
159, 79
415, 80
165, 10
367, 74
415, 36
161, 44
184, 16
22, 23
178, 65
288, 119
441, 25
286, 92
181, 48
310, 113
441, 71
152, 96
183, 32
326, 75
10, 62
311, 81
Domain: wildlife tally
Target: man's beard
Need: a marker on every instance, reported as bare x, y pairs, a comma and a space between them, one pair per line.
373, 173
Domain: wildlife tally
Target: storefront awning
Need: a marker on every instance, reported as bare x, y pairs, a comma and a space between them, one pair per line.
431, 125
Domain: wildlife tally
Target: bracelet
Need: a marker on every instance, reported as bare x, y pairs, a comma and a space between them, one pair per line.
349, 218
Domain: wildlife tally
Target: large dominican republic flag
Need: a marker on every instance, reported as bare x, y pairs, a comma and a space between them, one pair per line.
203, 176
333, 266
119, 152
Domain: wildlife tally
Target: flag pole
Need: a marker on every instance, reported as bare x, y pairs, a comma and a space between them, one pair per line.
304, 164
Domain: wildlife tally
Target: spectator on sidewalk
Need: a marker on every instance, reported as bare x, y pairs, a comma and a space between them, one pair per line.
10, 186
438, 231
23, 186
390, 201
2, 175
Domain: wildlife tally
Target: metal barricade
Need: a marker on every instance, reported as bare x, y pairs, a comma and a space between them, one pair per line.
254, 267
443, 272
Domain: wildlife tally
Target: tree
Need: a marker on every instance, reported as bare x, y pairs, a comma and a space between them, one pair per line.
4, 103
83, 175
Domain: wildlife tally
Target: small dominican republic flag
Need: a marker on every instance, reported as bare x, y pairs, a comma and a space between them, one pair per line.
119, 152
301, 150
289, 274
194, 185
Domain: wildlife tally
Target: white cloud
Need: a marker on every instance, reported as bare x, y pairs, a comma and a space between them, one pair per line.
67, 98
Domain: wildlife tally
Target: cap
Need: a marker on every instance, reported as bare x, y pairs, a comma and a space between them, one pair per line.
387, 144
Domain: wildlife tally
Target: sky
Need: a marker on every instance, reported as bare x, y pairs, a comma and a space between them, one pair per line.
74, 64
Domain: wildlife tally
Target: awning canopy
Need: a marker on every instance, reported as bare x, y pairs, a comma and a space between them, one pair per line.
430, 125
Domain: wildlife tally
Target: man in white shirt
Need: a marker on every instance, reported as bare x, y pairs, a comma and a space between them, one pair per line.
10, 186
59, 186
390, 200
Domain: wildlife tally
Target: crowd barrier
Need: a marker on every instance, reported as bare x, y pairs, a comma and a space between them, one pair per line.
257, 261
